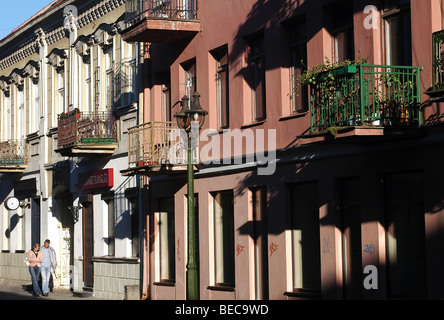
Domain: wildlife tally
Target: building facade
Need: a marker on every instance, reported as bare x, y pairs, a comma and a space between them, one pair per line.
323, 185
69, 94
330, 190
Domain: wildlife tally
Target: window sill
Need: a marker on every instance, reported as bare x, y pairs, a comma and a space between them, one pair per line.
113, 259
165, 284
293, 116
252, 124
221, 288
119, 111
304, 293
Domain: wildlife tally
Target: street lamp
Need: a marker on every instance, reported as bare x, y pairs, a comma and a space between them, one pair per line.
185, 117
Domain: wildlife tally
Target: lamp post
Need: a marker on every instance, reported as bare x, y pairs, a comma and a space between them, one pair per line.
185, 117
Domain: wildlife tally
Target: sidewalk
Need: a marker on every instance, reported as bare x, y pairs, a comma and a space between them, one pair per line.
24, 293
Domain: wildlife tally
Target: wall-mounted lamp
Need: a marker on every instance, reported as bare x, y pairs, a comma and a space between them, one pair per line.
74, 210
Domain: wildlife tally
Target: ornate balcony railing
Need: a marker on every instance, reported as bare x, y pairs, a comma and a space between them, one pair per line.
438, 60
370, 95
80, 128
137, 10
156, 144
13, 153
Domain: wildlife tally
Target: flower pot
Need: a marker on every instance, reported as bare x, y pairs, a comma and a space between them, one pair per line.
340, 71
377, 119
404, 115
353, 121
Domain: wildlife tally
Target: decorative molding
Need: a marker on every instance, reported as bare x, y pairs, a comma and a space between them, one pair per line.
43, 38
20, 54
56, 57
82, 45
103, 35
4, 84
32, 69
17, 77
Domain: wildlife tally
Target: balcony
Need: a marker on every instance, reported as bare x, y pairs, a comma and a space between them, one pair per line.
160, 21
156, 148
86, 134
436, 91
364, 101
13, 156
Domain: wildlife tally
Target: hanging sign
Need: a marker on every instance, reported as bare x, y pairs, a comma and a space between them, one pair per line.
99, 179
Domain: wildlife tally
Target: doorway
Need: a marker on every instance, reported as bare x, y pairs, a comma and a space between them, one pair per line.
35, 221
88, 241
405, 230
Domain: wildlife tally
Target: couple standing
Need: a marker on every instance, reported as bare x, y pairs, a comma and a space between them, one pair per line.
41, 261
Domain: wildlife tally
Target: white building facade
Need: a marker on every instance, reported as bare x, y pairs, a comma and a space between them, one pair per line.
69, 93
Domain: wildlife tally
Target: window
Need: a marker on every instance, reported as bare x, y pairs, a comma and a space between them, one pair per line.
126, 83
61, 89
135, 235
190, 78
224, 238
397, 24
343, 44
260, 238
108, 199
339, 22
298, 57
167, 240
97, 89
88, 89
21, 113
256, 66
109, 79
405, 232
221, 57
6, 132
36, 105
350, 210
166, 95
304, 208
166, 102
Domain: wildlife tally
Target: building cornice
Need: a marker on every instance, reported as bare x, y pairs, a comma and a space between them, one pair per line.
49, 37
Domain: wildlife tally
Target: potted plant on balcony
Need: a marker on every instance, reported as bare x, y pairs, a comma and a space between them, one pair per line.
334, 91
395, 104
69, 113
325, 74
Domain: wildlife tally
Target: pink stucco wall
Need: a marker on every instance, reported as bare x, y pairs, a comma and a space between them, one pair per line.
228, 22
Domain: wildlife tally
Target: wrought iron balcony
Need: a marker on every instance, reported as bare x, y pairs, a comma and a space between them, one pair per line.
436, 91
86, 133
157, 147
163, 21
366, 96
13, 155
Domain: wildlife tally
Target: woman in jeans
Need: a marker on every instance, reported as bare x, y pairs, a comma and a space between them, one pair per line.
35, 258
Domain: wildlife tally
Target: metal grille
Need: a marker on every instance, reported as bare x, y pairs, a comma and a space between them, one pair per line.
86, 127
438, 60
137, 10
157, 143
13, 152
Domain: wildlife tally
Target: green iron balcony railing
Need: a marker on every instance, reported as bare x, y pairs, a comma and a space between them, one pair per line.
83, 128
366, 95
137, 10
